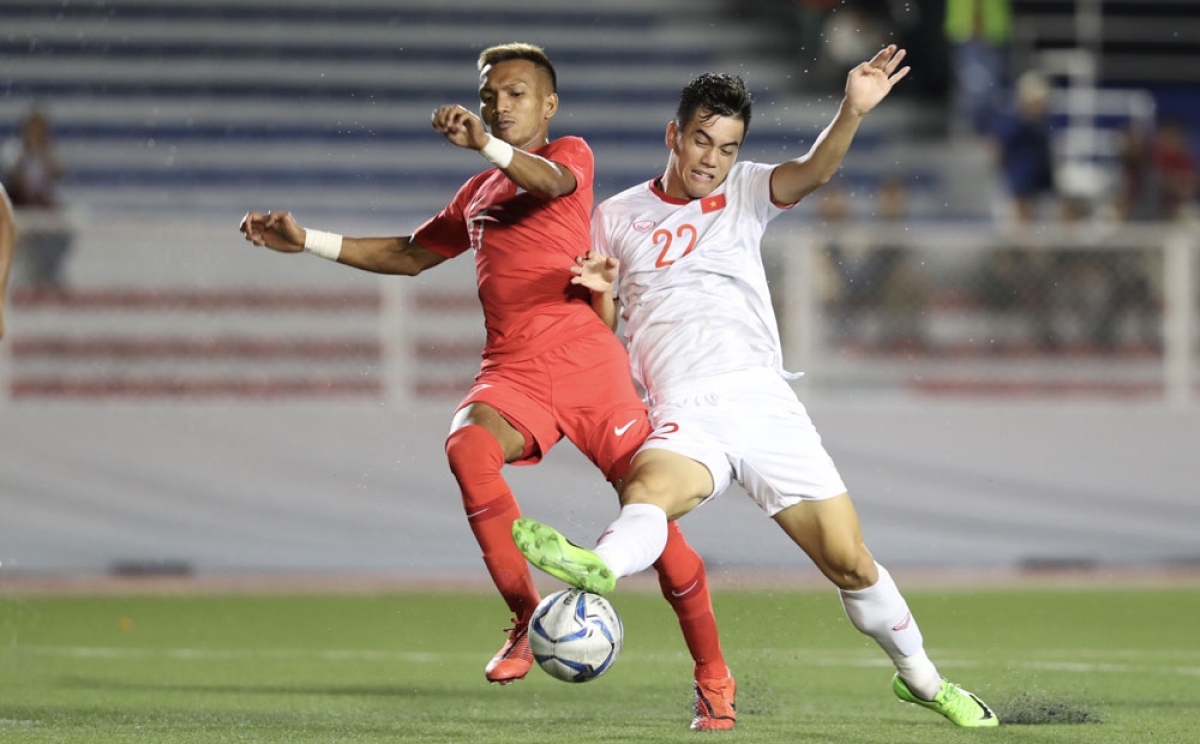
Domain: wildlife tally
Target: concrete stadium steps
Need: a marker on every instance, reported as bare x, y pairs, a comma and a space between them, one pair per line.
397, 170
319, 108
145, 96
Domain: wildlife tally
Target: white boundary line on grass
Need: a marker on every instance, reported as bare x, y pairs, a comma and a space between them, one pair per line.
16, 585
823, 659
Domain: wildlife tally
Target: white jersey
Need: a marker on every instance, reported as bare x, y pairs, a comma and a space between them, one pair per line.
692, 287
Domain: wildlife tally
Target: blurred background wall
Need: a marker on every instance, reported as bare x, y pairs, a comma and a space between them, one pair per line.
994, 302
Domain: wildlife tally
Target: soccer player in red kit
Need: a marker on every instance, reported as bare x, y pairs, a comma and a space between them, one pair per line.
551, 368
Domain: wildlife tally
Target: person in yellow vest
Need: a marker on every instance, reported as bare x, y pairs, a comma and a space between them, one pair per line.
978, 32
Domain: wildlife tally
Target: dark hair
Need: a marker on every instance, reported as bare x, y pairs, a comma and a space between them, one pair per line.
519, 50
714, 94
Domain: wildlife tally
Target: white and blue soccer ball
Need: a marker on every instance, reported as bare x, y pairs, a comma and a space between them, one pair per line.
575, 635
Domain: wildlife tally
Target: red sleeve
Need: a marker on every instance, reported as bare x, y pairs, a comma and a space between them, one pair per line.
574, 154
446, 232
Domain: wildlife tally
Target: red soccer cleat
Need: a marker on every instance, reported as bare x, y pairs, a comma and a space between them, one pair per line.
715, 707
513, 660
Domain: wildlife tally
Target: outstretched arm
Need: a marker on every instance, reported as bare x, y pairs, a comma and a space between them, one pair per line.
398, 255
8, 244
533, 173
599, 273
866, 85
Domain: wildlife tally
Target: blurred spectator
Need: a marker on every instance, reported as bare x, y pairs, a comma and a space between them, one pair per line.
1016, 287
1017, 283
1137, 185
1157, 181
810, 18
1076, 297
833, 36
1104, 298
851, 33
845, 269
1130, 312
874, 294
1024, 149
1175, 168
904, 290
979, 33
31, 174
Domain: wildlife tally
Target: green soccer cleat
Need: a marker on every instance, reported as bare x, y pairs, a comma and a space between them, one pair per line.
960, 707
546, 548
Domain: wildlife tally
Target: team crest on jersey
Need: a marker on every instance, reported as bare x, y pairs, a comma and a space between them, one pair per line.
644, 225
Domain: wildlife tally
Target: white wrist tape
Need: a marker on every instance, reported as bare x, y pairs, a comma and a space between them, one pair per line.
323, 244
497, 152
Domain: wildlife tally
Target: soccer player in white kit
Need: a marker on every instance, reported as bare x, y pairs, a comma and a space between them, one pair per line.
704, 343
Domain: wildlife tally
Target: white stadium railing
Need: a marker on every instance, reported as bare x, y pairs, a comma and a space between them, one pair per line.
178, 307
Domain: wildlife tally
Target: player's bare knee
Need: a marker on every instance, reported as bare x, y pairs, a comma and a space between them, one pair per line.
672, 482
658, 492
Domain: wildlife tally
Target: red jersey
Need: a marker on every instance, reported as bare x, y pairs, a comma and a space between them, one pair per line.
525, 246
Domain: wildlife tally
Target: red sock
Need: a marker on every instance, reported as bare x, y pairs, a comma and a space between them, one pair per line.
476, 459
684, 584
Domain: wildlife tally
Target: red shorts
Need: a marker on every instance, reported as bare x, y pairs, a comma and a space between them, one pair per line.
581, 390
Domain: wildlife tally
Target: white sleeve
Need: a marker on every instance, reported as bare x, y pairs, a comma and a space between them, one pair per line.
754, 187
600, 242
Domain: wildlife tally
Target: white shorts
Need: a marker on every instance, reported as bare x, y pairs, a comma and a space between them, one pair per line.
747, 426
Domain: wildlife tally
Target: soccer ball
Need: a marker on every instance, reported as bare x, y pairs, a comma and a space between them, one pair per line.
575, 635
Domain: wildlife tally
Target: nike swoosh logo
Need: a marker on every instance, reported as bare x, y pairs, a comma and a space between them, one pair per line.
903, 623
620, 430
685, 591
477, 513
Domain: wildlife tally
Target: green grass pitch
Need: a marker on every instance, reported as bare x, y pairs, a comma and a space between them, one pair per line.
1058, 665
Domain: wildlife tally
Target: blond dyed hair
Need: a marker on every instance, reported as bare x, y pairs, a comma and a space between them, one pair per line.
519, 50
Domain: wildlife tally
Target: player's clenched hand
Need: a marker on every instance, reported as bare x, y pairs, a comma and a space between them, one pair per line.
460, 126
275, 230
595, 272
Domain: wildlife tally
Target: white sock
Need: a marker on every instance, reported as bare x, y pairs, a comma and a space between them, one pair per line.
635, 539
881, 612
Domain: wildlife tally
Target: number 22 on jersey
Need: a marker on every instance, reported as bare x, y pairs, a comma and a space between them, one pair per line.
686, 231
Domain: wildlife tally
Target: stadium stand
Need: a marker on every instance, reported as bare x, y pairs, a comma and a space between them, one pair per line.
324, 107
173, 118
195, 111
